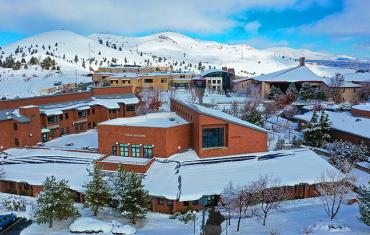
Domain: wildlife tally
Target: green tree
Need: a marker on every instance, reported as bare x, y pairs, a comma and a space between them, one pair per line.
317, 131
55, 202
34, 61
274, 93
292, 89
364, 203
324, 134
76, 59
306, 92
254, 116
129, 193
97, 191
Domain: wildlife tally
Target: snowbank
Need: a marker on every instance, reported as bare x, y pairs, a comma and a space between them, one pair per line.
92, 225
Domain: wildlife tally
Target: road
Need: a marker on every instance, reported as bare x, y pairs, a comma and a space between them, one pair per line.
16, 227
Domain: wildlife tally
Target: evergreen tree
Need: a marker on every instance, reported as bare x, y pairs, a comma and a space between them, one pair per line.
48, 63
317, 130
254, 116
129, 193
55, 202
17, 65
274, 93
33, 60
97, 190
306, 92
364, 203
292, 89
76, 59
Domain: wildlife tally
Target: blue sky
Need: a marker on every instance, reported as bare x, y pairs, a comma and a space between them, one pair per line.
334, 26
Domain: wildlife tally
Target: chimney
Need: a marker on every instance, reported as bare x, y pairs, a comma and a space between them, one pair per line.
301, 61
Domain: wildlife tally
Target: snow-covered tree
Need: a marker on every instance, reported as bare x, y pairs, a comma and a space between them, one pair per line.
55, 202
306, 92
334, 89
364, 203
129, 193
317, 131
254, 116
280, 143
96, 191
292, 89
274, 93
332, 188
341, 151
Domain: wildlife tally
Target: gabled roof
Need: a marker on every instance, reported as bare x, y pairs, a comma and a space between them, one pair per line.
219, 115
295, 74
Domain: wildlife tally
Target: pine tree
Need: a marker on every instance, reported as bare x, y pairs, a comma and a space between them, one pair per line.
274, 93
132, 199
76, 59
324, 134
306, 92
292, 89
55, 202
364, 204
97, 190
254, 116
33, 60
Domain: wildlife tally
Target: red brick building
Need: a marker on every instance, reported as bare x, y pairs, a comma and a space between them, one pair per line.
209, 132
38, 119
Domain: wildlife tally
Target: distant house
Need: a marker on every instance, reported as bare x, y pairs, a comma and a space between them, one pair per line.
299, 75
219, 79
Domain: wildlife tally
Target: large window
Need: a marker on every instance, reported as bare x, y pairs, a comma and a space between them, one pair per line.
213, 137
148, 151
114, 150
148, 80
135, 150
82, 114
123, 150
52, 119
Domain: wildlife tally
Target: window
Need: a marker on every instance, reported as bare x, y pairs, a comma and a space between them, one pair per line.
135, 150
61, 117
148, 80
148, 151
213, 137
89, 125
76, 128
81, 114
219, 81
169, 202
16, 142
114, 150
123, 150
214, 81
88, 112
186, 203
66, 116
26, 187
15, 126
195, 202
130, 108
52, 133
93, 111
163, 80
94, 124
52, 119
61, 131
114, 111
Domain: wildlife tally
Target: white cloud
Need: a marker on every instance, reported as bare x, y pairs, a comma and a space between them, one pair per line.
126, 16
252, 26
354, 20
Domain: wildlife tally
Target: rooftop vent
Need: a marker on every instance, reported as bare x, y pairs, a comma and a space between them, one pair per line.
172, 119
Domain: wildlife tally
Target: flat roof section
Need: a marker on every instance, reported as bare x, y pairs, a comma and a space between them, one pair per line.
156, 120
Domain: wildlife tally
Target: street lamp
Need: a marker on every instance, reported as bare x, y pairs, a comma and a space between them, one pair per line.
194, 218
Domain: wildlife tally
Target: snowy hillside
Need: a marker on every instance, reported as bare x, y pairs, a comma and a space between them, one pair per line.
310, 55
76, 55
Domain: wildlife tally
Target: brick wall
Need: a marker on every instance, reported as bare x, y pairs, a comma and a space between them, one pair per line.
360, 113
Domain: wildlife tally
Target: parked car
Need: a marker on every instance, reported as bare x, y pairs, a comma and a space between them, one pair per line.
7, 219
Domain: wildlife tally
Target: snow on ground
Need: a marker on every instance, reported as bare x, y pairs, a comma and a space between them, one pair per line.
300, 215
84, 140
29, 201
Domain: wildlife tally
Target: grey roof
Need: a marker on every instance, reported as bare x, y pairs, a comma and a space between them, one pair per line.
219, 115
13, 114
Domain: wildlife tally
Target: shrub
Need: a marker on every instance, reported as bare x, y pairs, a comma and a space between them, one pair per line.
13, 203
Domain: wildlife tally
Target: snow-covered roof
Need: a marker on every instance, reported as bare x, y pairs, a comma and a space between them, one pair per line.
295, 74
344, 84
208, 71
357, 77
219, 114
157, 120
241, 80
190, 180
110, 102
343, 121
138, 75
13, 114
364, 107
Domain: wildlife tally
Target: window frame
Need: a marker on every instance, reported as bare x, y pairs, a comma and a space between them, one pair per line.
124, 150
148, 149
135, 150
208, 133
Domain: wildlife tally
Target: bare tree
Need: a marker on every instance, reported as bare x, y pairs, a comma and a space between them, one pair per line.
332, 187
335, 85
271, 195
270, 109
254, 92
